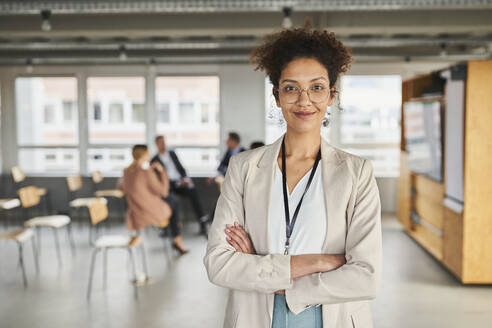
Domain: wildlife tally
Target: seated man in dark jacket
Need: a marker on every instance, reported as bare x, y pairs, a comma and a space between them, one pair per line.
234, 147
180, 183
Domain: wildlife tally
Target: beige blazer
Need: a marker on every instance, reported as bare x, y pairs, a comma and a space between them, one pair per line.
353, 228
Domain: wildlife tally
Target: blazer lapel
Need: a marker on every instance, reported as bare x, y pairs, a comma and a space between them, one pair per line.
333, 184
260, 182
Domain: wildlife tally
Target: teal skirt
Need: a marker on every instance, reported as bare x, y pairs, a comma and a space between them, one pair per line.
283, 318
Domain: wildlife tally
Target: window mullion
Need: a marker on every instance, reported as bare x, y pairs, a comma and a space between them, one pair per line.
83, 125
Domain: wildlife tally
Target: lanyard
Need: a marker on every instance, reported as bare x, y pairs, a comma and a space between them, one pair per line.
289, 224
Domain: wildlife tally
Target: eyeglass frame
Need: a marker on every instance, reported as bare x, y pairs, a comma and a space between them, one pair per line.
299, 93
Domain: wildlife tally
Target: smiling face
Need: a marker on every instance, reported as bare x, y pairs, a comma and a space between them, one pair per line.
304, 115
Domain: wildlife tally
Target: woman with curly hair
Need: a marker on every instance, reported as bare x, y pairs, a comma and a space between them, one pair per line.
296, 236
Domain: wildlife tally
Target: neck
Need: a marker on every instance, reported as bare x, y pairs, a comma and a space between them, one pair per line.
302, 145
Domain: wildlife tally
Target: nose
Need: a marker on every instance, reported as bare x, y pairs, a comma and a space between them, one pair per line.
304, 98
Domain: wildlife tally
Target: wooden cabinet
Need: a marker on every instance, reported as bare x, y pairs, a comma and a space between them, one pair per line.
460, 238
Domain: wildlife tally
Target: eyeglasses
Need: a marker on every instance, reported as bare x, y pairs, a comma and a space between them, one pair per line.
317, 93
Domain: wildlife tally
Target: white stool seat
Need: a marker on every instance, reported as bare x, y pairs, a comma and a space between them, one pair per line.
9, 203
52, 221
110, 193
19, 236
86, 202
116, 241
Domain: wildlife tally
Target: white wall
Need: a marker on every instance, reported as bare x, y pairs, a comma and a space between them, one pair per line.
242, 101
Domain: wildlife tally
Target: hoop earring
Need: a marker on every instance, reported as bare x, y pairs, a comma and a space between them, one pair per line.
326, 119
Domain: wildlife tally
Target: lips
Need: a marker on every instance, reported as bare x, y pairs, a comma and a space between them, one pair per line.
304, 115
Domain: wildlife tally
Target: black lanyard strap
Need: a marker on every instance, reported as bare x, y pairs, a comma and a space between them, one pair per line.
289, 224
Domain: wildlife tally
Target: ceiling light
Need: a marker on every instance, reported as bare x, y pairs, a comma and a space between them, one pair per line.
287, 21
46, 24
444, 52
29, 67
123, 56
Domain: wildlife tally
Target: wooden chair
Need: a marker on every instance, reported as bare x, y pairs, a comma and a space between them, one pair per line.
20, 237
29, 197
97, 178
19, 176
74, 184
98, 212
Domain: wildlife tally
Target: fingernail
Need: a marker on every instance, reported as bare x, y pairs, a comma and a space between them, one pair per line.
228, 238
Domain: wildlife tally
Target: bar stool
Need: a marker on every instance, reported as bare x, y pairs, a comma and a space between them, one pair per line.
29, 197
98, 212
20, 237
8, 204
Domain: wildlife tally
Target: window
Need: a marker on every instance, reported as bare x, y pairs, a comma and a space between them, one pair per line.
186, 113
185, 106
43, 106
97, 112
49, 160
205, 113
112, 102
49, 114
39, 101
108, 160
163, 113
116, 114
138, 110
370, 120
68, 111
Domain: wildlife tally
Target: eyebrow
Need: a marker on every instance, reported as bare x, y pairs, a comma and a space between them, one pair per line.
316, 78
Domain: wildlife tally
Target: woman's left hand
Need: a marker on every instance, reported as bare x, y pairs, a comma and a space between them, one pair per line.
239, 239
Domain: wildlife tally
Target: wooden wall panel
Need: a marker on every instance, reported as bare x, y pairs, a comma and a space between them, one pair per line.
403, 212
430, 189
429, 211
477, 233
453, 241
428, 239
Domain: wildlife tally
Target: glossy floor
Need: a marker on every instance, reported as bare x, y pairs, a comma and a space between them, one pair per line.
416, 290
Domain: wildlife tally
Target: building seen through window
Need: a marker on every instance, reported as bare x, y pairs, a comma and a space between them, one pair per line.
370, 120
46, 110
187, 110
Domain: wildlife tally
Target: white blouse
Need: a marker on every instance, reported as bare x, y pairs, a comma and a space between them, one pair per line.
309, 231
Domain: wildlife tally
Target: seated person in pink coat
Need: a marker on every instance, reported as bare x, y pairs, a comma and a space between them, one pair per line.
146, 194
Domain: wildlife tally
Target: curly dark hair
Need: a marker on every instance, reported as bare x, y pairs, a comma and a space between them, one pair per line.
280, 48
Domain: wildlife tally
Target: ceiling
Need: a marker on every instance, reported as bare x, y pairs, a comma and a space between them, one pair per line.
225, 30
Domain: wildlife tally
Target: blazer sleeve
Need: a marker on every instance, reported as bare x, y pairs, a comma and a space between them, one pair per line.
236, 270
359, 278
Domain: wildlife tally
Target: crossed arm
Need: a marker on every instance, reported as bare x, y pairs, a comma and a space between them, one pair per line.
300, 265
232, 262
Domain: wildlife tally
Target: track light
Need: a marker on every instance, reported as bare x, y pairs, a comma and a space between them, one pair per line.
46, 24
123, 56
29, 67
444, 51
287, 21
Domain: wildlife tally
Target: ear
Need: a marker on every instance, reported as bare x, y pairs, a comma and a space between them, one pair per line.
333, 92
275, 94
